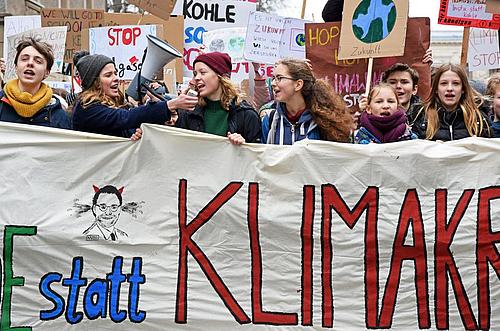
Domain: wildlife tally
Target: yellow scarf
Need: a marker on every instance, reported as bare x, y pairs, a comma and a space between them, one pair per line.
25, 104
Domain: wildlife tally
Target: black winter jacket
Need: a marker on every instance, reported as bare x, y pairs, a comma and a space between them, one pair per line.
451, 124
242, 119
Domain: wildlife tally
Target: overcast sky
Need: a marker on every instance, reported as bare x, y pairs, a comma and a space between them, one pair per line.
418, 8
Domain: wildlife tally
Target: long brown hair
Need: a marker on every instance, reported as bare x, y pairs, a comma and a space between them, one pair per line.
472, 115
230, 93
327, 107
95, 94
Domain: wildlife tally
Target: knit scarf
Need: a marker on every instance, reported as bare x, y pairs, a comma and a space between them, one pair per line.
385, 128
25, 104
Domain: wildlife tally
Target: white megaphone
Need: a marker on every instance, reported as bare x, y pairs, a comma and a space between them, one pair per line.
156, 55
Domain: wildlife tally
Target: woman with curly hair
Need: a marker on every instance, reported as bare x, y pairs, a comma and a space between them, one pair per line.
101, 107
304, 107
220, 110
450, 112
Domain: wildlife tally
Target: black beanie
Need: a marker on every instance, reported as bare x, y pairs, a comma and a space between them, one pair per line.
89, 67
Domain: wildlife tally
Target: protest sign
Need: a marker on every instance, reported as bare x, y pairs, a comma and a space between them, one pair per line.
351, 237
272, 37
348, 77
16, 24
160, 8
74, 20
230, 41
124, 44
468, 13
173, 31
483, 50
201, 16
373, 28
54, 36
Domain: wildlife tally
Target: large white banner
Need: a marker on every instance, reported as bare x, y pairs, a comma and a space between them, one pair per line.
184, 231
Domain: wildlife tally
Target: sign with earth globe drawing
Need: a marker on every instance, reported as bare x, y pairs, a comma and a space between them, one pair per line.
373, 20
373, 28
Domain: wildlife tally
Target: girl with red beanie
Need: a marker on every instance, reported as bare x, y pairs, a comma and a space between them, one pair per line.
220, 110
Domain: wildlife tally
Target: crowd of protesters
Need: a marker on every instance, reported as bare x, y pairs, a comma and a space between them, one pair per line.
302, 106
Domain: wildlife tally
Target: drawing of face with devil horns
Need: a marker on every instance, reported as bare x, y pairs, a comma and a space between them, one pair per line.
106, 207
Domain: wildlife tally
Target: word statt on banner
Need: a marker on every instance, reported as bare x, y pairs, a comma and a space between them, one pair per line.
75, 20
54, 36
124, 44
348, 77
350, 238
16, 24
159, 8
373, 28
468, 13
483, 51
272, 37
201, 16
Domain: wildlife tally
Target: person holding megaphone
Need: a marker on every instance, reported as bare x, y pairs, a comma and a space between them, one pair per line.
220, 109
101, 106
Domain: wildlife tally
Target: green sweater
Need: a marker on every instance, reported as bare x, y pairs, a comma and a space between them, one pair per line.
215, 118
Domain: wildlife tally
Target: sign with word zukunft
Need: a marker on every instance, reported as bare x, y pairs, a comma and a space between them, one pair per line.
54, 36
468, 13
16, 24
483, 52
201, 16
350, 238
272, 37
373, 28
124, 44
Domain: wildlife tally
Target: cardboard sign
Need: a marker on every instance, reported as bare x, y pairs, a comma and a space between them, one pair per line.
201, 16
373, 28
173, 32
493, 6
272, 37
348, 77
468, 13
16, 24
74, 20
125, 44
54, 36
345, 237
160, 8
230, 41
483, 50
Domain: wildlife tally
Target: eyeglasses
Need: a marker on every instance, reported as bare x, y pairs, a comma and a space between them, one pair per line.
279, 78
103, 207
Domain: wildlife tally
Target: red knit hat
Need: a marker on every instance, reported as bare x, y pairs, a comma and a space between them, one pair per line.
217, 61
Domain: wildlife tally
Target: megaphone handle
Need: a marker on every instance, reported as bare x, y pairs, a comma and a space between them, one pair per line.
150, 90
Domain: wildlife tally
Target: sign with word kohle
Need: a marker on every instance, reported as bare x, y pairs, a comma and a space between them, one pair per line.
124, 44
349, 237
373, 28
54, 36
483, 51
16, 24
272, 37
201, 16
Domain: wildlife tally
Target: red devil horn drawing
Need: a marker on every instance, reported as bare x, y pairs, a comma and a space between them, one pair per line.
121, 190
96, 189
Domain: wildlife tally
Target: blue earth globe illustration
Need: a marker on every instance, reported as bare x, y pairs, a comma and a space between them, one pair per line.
300, 39
373, 20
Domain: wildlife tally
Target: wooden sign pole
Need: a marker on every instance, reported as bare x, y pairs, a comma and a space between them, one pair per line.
465, 48
369, 76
